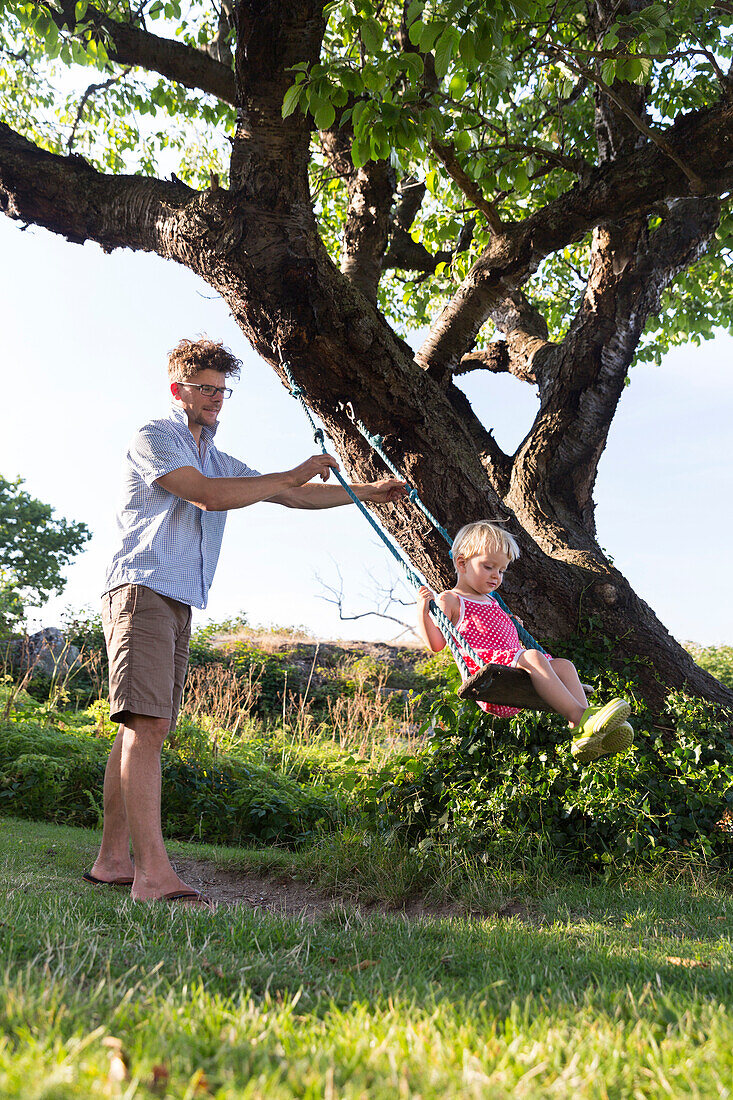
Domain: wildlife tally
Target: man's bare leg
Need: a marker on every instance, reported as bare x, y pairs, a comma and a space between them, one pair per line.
113, 862
142, 742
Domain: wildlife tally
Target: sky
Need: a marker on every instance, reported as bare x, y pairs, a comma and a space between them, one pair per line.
83, 365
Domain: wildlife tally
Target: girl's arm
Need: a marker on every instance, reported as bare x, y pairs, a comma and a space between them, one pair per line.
431, 635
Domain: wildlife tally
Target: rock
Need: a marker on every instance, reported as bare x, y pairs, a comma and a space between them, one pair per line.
45, 653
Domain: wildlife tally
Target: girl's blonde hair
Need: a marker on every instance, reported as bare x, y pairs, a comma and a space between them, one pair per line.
475, 538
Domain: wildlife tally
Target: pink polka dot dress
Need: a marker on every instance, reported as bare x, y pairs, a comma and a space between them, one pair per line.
491, 633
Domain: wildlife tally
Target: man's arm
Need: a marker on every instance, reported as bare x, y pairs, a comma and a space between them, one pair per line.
333, 496
289, 488
220, 494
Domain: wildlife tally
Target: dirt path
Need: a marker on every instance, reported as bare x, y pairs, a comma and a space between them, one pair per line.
285, 896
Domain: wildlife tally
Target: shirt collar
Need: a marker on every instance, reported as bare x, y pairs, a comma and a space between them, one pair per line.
179, 417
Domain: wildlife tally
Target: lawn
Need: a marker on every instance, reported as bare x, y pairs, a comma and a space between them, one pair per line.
595, 988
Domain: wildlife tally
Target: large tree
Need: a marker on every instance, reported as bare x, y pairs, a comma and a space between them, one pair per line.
543, 183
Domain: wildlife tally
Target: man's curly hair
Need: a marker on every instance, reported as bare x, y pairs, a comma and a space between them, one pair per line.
188, 357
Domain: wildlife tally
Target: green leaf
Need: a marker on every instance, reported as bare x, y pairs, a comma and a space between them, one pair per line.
291, 99
444, 51
466, 48
359, 152
412, 62
351, 80
372, 35
324, 114
415, 33
521, 179
457, 86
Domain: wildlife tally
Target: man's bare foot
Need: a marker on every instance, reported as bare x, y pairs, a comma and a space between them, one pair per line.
147, 889
113, 871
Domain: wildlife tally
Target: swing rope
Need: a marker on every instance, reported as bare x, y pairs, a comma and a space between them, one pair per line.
456, 642
375, 442
436, 613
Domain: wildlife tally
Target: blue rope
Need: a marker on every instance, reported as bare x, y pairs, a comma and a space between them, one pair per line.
436, 613
453, 639
375, 442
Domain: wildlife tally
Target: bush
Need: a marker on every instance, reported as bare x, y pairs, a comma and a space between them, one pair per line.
715, 659
494, 785
54, 775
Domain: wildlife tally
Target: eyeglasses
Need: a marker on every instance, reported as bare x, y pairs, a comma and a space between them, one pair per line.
209, 391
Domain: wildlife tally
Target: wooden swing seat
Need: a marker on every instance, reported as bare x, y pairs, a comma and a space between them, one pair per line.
506, 687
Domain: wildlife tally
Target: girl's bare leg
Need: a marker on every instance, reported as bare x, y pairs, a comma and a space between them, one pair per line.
567, 672
550, 687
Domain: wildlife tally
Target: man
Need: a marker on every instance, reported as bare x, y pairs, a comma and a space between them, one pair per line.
177, 489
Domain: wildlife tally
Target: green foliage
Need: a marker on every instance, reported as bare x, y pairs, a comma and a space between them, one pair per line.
715, 659
129, 121
35, 548
508, 87
487, 784
56, 774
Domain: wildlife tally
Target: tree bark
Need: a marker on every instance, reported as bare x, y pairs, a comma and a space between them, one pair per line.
258, 246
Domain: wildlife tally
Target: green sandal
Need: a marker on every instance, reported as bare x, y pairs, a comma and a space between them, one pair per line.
603, 731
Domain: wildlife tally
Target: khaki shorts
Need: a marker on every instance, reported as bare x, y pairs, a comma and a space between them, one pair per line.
147, 639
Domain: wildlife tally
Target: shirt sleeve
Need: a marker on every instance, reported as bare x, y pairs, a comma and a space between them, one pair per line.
236, 468
155, 452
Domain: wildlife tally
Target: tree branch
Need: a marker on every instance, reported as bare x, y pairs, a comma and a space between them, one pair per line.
411, 194
587, 372
410, 255
697, 186
370, 192
614, 191
446, 154
68, 196
82, 102
131, 45
525, 347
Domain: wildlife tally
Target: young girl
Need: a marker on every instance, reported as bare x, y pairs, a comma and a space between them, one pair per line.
481, 552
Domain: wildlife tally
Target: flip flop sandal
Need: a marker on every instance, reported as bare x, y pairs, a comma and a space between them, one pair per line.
186, 895
89, 877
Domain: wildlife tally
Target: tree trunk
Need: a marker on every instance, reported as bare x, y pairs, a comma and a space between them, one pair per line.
258, 246
344, 355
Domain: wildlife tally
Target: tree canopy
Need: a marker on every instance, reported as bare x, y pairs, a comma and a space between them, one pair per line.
35, 548
543, 186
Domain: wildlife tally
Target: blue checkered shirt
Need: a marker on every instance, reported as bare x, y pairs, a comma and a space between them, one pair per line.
166, 543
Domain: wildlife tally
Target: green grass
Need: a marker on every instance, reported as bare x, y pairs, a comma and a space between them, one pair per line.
586, 997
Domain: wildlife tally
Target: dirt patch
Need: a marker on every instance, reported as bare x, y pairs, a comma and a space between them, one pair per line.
285, 896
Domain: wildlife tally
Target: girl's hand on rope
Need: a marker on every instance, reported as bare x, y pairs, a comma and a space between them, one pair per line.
316, 466
424, 595
388, 491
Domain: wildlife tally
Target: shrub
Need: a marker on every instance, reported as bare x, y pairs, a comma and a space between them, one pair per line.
491, 784
715, 659
54, 775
